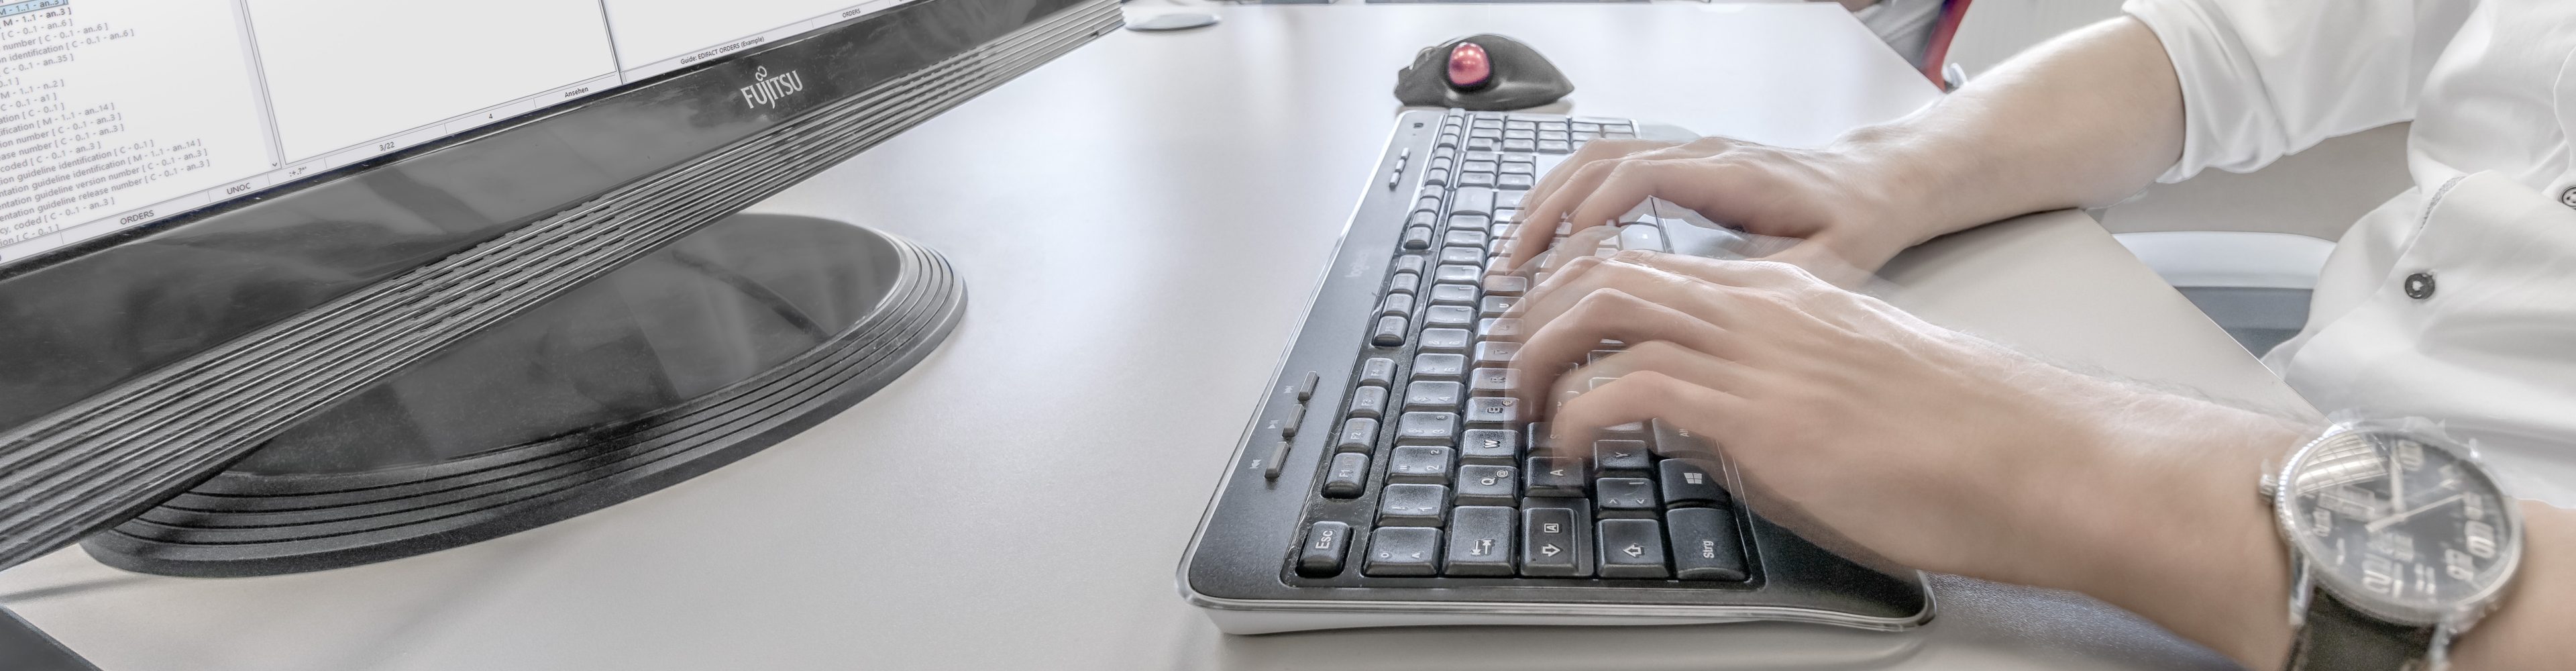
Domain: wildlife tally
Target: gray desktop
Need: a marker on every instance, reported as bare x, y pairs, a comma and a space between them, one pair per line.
1021, 498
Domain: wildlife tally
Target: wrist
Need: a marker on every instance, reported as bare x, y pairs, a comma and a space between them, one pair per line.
1916, 192
2162, 519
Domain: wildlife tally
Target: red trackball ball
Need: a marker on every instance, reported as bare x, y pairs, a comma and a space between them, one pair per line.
1468, 65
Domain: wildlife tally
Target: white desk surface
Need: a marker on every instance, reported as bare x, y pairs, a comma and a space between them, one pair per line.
1140, 224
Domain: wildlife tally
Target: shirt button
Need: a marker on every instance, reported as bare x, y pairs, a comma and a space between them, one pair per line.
2567, 197
2419, 286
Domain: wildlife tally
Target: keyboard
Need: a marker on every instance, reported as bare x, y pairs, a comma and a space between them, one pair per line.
1389, 480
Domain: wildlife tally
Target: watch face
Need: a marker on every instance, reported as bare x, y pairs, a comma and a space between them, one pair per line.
2400, 527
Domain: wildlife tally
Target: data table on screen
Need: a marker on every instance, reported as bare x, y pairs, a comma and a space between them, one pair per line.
96, 118
120, 113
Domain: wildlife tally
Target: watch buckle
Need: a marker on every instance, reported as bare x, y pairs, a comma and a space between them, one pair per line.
2302, 589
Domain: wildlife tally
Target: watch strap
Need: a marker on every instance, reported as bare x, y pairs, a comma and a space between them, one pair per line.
2336, 637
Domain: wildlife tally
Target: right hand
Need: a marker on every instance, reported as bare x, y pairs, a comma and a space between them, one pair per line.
1845, 202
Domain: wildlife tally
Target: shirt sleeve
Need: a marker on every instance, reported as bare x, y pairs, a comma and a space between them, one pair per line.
2262, 79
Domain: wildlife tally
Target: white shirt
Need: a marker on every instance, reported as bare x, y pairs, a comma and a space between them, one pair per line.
2490, 345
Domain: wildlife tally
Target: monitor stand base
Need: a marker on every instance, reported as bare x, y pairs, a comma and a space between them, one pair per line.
723, 343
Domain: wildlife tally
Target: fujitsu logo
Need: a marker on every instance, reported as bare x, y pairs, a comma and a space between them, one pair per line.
765, 90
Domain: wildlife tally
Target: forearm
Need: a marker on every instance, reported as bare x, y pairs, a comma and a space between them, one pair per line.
2163, 520
2082, 120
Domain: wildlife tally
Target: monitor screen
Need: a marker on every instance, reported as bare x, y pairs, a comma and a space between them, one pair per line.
118, 113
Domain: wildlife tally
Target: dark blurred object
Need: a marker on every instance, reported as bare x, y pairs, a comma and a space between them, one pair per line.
1515, 76
695, 355
23, 648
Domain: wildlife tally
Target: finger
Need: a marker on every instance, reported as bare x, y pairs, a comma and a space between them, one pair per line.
1642, 396
1594, 151
1653, 285
1749, 273
1583, 244
1626, 186
1657, 356
1540, 218
1819, 258
1608, 314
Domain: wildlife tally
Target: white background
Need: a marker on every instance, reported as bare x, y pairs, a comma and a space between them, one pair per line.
344, 72
654, 30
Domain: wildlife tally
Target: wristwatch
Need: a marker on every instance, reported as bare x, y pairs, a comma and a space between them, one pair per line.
2399, 542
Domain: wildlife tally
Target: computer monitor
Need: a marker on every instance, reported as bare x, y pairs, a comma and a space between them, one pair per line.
358, 280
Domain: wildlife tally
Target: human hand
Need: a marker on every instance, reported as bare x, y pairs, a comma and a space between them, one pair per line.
1849, 419
1847, 203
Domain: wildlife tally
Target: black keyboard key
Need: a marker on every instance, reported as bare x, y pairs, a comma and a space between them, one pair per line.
1509, 199
1468, 255
1433, 396
1470, 222
1493, 411
1474, 238
1490, 382
1377, 370
1403, 283
1508, 285
1676, 442
1396, 305
1400, 551
1626, 457
1705, 545
1632, 549
1457, 272
1488, 485
1555, 476
1424, 218
1359, 434
1498, 328
1446, 340
1296, 418
1410, 263
1389, 333
1412, 505
1449, 316
1347, 476
1691, 482
1439, 366
1625, 497
1461, 295
1418, 465
1490, 447
1369, 402
1321, 555
1556, 542
1497, 306
1541, 441
1517, 181
1417, 238
1306, 385
1479, 201
1427, 428
1496, 354
1480, 541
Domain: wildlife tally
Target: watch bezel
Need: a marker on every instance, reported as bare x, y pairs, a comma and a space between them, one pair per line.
2456, 614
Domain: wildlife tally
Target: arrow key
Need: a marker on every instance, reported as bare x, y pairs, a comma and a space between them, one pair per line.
1556, 542
1632, 549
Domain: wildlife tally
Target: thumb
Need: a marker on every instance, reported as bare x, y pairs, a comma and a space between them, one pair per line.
1824, 259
